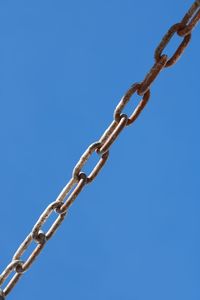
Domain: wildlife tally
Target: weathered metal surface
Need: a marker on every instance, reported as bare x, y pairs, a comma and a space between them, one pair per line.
79, 179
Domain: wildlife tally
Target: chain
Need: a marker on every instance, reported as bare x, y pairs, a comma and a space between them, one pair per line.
79, 179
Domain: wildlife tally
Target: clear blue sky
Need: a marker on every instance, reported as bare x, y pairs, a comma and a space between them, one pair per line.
134, 233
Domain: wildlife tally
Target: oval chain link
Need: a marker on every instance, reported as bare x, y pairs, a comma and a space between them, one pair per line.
166, 39
126, 98
79, 179
190, 19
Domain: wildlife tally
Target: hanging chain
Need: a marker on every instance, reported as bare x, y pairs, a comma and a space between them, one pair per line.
79, 179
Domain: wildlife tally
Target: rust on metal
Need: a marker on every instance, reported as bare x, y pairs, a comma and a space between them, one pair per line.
12, 283
32, 256
126, 98
90, 150
114, 135
43, 218
165, 40
79, 179
153, 73
193, 15
12, 267
81, 183
8, 270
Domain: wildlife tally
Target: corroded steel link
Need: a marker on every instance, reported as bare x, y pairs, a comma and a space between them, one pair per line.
12, 267
9, 269
126, 98
90, 150
20, 251
64, 193
12, 283
167, 37
53, 207
113, 135
193, 15
80, 185
151, 76
22, 248
79, 179
105, 136
56, 224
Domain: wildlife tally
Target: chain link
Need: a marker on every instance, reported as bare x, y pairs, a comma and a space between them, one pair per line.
79, 179
126, 98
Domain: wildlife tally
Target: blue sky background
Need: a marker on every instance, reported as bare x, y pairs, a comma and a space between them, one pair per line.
134, 233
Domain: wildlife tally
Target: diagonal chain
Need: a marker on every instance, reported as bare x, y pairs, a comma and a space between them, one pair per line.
79, 179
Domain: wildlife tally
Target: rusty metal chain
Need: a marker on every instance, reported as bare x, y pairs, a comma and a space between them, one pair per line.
79, 179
